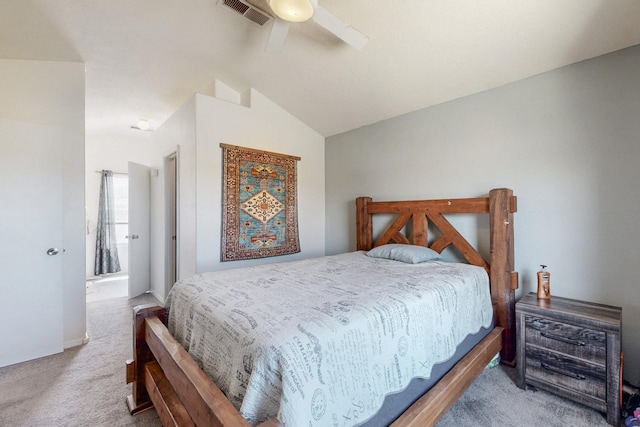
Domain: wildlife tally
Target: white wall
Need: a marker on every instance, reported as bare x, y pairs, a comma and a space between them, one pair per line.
262, 126
52, 93
249, 120
565, 141
178, 132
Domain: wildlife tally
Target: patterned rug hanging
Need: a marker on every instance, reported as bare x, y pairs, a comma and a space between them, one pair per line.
259, 206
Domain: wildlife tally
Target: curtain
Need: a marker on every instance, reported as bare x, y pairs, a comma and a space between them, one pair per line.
106, 251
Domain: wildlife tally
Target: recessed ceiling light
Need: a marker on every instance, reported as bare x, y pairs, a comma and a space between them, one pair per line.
143, 124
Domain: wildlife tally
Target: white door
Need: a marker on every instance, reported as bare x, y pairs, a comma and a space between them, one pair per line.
31, 252
139, 229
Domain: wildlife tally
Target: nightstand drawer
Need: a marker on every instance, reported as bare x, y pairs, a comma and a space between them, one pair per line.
564, 338
561, 370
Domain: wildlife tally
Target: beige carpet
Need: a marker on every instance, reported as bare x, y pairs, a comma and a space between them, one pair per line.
85, 386
494, 400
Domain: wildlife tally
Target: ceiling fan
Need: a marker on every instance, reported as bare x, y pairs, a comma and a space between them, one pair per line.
287, 11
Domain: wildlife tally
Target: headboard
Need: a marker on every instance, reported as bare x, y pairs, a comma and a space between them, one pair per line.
500, 205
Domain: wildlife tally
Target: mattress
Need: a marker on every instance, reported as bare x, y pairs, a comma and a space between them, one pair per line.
323, 341
396, 403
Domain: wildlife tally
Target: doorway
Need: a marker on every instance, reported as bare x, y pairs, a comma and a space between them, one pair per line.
114, 285
165, 270
171, 214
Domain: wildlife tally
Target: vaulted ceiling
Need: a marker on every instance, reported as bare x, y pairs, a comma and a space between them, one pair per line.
145, 58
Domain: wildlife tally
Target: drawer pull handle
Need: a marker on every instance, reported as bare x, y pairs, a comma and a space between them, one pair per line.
563, 339
561, 372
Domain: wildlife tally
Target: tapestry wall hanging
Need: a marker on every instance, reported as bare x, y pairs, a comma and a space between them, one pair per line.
259, 206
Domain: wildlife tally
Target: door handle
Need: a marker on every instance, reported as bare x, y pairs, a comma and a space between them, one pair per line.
134, 236
52, 251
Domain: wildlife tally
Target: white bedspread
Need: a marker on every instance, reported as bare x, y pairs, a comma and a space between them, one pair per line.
321, 342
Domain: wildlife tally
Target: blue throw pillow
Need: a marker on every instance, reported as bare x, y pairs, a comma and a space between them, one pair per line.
411, 254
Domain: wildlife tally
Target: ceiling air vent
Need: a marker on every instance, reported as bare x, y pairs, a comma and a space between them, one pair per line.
247, 11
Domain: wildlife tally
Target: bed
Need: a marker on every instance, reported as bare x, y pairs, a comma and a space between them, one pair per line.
282, 349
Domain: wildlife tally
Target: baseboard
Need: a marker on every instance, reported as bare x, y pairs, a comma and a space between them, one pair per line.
156, 296
75, 343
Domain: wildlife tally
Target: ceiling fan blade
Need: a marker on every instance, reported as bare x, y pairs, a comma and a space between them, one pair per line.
341, 29
278, 34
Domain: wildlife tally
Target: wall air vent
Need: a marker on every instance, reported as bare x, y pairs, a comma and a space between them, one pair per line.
247, 11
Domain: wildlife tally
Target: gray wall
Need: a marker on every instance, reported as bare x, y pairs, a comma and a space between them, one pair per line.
567, 143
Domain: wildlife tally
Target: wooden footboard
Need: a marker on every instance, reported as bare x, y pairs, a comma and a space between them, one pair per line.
164, 376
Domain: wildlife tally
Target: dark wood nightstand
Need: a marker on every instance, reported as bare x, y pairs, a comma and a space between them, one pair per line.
571, 348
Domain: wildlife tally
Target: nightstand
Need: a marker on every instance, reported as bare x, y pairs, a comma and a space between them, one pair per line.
571, 348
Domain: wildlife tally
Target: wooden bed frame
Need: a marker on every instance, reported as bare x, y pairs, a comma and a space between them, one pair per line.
164, 376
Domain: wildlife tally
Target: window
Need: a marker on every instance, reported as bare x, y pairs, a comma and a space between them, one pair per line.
121, 204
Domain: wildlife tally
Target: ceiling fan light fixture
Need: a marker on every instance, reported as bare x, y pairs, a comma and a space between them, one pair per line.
292, 10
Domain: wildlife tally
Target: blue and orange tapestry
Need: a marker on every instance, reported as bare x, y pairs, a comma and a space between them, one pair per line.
259, 206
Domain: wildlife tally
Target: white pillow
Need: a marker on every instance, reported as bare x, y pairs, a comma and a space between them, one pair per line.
412, 254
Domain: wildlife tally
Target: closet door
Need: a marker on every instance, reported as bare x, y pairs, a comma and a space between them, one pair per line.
31, 251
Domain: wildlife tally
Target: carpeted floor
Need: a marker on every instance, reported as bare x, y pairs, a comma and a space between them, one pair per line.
85, 387
494, 400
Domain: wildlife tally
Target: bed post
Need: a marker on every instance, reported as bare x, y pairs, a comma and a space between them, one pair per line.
139, 399
364, 225
504, 281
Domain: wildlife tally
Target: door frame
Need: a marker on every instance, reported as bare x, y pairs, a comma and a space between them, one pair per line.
172, 217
